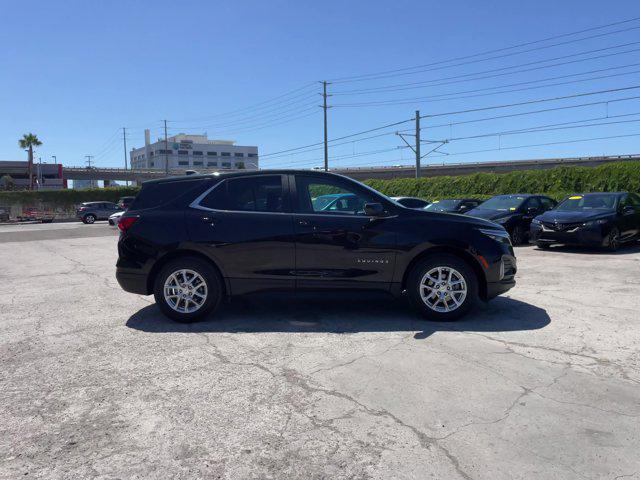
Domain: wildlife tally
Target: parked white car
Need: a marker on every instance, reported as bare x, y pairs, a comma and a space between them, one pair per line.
115, 218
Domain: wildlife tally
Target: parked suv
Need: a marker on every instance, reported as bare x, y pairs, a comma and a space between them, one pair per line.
193, 240
89, 212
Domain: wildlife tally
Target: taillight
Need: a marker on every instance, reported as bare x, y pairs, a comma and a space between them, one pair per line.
82, 209
126, 223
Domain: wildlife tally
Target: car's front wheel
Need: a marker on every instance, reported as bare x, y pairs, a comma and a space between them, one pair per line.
442, 287
187, 289
517, 235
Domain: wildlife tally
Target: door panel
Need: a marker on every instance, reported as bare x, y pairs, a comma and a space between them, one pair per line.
336, 244
254, 245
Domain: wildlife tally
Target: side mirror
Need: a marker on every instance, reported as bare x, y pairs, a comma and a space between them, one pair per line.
628, 210
373, 209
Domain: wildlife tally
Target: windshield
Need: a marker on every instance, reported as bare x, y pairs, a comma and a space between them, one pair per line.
581, 203
442, 205
504, 202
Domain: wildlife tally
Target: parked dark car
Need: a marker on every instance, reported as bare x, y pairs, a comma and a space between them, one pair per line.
590, 219
193, 240
514, 212
89, 212
411, 202
125, 202
453, 205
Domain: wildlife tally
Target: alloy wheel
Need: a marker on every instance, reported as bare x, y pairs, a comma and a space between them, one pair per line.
443, 289
185, 291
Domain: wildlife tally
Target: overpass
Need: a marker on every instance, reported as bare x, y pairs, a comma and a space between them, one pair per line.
365, 173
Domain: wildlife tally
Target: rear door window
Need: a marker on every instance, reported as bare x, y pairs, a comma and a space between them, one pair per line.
263, 193
155, 194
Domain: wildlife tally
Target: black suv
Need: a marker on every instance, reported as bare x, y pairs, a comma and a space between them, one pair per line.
193, 240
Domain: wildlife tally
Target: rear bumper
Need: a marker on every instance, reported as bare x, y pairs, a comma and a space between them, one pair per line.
133, 282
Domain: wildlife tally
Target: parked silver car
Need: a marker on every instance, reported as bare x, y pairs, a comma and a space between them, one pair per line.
89, 212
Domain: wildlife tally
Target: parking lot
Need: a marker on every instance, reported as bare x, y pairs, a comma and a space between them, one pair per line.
543, 382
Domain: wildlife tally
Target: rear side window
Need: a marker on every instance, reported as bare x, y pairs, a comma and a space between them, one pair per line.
155, 194
547, 203
256, 194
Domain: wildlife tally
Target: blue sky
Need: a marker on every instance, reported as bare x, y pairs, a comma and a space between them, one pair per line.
75, 72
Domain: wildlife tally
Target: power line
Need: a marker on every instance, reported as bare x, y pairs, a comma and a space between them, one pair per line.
255, 106
533, 129
339, 138
465, 77
529, 102
397, 72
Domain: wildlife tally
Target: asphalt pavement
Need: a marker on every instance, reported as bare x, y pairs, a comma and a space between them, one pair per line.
543, 382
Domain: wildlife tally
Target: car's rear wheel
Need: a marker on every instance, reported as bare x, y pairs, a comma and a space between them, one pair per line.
442, 287
517, 235
543, 245
89, 219
187, 289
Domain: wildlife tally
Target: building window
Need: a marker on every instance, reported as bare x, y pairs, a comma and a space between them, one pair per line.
151, 164
197, 163
226, 165
164, 152
239, 154
240, 165
225, 154
212, 164
212, 154
196, 152
151, 154
184, 163
183, 152
252, 155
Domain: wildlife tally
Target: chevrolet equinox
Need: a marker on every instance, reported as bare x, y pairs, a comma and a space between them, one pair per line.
194, 240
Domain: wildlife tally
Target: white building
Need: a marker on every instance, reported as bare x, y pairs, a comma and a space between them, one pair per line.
195, 152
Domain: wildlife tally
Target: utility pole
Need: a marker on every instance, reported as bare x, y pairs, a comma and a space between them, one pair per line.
88, 162
416, 147
124, 144
166, 149
324, 108
417, 143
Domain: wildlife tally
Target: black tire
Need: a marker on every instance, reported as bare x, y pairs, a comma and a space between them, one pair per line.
448, 261
206, 271
89, 219
613, 240
543, 245
517, 235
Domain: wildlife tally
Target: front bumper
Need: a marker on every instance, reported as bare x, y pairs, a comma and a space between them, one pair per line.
588, 236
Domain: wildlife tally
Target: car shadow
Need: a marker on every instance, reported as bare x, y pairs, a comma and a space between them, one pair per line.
341, 314
625, 249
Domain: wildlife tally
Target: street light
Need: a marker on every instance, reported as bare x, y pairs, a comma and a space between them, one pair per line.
55, 159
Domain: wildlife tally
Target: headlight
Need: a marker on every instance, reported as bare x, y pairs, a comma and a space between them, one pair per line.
593, 223
500, 236
535, 221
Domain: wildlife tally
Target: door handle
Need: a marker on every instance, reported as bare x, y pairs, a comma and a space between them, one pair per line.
307, 223
209, 220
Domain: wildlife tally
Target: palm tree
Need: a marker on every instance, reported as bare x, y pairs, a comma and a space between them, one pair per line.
30, 140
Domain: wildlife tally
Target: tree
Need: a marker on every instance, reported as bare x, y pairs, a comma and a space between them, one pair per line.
7, 183
30, 140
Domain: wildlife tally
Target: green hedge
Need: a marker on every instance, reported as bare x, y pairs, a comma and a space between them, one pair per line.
556, 182
65, 198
